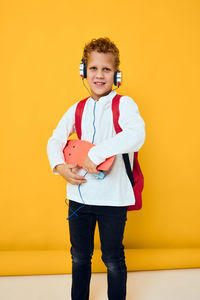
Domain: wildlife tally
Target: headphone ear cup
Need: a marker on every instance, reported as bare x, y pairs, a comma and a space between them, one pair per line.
83, 69
117, 78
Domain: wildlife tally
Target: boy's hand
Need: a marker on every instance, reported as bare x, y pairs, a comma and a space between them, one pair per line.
89, 166
69, 173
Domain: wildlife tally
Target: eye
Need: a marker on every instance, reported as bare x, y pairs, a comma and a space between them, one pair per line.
107, 69
93, 68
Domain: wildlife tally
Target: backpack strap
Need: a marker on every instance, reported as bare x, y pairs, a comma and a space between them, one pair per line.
136, 177
115, 110
78, 116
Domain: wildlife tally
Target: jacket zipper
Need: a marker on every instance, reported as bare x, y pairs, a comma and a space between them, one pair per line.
94, 122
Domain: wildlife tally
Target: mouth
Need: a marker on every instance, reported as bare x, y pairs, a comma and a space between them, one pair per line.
99, 83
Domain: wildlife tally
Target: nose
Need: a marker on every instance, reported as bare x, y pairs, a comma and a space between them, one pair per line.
99, 74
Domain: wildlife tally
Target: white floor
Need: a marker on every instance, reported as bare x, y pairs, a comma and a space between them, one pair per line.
180, 284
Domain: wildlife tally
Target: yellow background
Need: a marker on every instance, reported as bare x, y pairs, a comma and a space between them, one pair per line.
41, 48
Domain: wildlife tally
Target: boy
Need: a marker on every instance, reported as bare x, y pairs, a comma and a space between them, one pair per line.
105, 200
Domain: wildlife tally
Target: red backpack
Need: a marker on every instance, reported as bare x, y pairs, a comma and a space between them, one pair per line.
135, 175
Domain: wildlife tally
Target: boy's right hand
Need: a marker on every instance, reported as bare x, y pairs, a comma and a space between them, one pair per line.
69, 173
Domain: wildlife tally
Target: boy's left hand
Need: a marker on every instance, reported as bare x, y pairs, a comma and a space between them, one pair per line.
89, 166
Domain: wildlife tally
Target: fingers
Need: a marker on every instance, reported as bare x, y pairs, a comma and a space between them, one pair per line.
70, 174
75, 170
89, 166
91, 170
71, 166
76, 179
76, 182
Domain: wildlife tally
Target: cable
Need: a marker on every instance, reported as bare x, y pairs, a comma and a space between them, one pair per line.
74, 212
86, 87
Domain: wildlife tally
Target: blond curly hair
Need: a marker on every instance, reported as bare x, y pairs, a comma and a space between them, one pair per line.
104, 45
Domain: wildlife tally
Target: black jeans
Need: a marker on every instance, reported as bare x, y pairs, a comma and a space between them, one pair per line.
111, 221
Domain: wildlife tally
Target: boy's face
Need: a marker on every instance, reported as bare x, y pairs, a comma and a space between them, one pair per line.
100, 73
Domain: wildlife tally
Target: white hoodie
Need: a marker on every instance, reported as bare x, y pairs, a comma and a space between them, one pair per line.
97, 127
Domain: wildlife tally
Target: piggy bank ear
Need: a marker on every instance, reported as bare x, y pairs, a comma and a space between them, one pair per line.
104, 166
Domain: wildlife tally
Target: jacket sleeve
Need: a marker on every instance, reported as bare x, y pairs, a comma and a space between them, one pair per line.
130, 139
58, 140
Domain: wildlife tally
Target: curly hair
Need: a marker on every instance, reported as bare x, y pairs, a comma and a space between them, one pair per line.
104, 45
